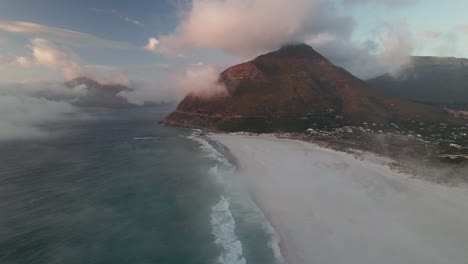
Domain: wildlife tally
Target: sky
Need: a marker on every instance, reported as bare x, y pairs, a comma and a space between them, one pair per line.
165, 41
165, 49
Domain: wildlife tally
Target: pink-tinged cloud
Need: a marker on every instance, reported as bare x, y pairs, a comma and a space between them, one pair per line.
58, 58
152, 44
60, 35
429, 34
387, 3
201, 80
64, 60
250, 27
23, 62
463, 28
239, 27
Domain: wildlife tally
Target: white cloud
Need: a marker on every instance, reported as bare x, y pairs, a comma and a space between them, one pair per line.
250, 27
60, 35
63, 60
58, 58
201, 80
152, 44
118, 15
131, 21
239, 27
23, 62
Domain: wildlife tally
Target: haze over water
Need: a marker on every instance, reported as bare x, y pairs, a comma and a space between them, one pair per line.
119, 188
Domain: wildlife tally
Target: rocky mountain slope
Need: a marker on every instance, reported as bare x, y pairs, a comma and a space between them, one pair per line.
433, 80
289, 90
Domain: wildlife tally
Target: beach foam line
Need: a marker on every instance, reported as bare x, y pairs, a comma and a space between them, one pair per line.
224, 225
208, 148
220, 171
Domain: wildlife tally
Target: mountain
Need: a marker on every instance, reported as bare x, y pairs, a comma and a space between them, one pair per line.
289, 90
99, 95
432, 80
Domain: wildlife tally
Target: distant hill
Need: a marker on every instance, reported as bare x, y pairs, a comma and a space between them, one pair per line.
433, 80
290, 89
99, 95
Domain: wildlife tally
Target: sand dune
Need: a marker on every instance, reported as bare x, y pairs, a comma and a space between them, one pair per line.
329, 207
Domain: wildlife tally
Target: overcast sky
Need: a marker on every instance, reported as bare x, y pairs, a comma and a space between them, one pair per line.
156, 40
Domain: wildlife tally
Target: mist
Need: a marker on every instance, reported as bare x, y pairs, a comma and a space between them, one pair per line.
26, 107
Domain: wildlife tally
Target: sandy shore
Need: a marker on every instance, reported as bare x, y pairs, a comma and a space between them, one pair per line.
329, 207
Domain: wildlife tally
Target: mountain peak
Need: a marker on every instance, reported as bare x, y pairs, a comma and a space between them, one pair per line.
291, 89
300, 50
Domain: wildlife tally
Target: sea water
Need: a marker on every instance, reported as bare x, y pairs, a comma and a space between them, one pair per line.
118, 187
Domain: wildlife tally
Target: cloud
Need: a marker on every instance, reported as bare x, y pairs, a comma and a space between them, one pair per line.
23, 62
429, 34
463, 28
200, 80
131, 21
321, 39
26, 108
238, 27
57, 58
152, 44
118, 15
387, 3
442, 43
65, 36
386, 50
63, 60
251, 27
396, 46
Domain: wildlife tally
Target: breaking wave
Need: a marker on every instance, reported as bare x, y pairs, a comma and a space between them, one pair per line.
224, 225
222, 220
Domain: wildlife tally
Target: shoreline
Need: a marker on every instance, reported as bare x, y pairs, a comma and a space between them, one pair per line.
326, 220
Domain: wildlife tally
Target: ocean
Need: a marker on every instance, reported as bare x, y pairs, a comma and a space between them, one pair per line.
118, 187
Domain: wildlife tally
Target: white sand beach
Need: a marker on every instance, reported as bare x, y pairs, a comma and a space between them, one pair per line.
330, 208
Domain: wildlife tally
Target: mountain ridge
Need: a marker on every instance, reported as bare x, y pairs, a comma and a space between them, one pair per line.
439, 81
289, 89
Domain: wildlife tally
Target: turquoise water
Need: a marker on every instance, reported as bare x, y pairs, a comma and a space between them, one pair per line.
120, 188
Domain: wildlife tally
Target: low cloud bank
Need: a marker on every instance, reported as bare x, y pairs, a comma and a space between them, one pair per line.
199, 79
24, 108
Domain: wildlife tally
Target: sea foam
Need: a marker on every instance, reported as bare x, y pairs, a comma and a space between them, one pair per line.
222, 220
224, 231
